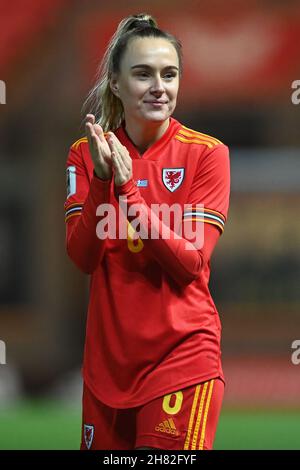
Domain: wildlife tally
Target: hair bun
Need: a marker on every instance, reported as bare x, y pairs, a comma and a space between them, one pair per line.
142, 24
143, 20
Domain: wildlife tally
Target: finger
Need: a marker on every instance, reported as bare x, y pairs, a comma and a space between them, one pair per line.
118, 155
88, 128
122, 150
90, 118
93, 140
127, 159
99, 132
116, 141
119, 166
90, 133
111, 142
119, 177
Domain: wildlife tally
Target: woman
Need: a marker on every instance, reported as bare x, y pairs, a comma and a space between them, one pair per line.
152, 368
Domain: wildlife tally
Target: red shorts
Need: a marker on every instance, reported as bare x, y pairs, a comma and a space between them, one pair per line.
186, 419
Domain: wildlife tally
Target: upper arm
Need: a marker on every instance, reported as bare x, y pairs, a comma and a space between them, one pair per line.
208, 200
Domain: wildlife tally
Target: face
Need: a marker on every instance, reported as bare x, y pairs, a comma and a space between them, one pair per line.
148, 81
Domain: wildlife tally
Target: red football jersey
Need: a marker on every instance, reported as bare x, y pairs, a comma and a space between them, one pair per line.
152, 325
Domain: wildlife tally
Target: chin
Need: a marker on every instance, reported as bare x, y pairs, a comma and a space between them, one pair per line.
156, 116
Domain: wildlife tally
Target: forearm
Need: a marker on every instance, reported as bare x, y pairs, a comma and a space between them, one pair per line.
83, 246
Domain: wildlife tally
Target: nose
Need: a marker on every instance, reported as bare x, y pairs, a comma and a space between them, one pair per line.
157, 85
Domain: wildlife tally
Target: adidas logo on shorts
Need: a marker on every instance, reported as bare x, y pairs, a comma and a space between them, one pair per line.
168, 427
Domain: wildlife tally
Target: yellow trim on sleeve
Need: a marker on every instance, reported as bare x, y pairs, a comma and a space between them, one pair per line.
72, 215
198, 219
186, 131
78, 142
193, 141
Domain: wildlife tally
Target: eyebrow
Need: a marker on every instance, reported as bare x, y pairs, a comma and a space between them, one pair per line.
146, 66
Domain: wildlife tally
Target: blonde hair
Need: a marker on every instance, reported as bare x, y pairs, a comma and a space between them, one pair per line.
101, 101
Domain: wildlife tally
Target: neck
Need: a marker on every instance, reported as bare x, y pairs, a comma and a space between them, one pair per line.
143, 135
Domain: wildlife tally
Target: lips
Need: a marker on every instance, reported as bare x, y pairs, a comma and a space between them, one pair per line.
156, 102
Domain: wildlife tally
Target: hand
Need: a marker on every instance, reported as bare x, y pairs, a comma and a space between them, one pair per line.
121, 160
99, 148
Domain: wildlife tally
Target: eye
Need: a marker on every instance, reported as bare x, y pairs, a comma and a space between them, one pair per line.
142, 74
170, 75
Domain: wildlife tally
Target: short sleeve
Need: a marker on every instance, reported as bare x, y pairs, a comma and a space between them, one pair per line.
208, 199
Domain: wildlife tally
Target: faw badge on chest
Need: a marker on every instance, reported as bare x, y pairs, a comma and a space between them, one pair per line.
172, 178
88, 435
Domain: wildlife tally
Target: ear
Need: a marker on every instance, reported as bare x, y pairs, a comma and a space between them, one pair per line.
113, 83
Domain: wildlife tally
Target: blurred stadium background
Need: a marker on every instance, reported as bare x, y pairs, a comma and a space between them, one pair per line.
240, 60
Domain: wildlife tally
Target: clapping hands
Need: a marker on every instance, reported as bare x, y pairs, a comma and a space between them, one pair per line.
108, 154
